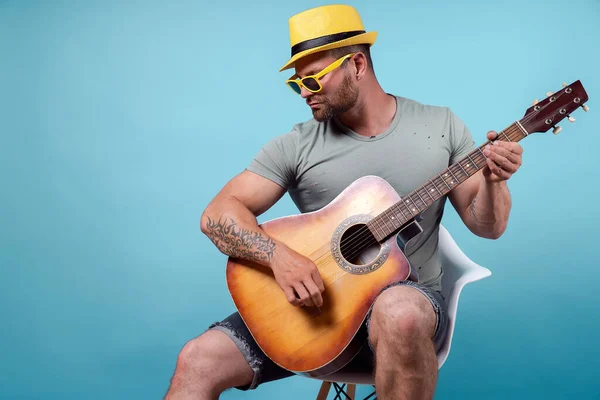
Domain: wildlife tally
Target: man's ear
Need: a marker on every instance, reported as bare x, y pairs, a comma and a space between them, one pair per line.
360, 65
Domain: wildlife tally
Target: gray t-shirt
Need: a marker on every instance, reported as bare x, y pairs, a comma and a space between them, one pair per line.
318, 160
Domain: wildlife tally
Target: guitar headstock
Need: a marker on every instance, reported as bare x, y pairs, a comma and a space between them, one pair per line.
546, 114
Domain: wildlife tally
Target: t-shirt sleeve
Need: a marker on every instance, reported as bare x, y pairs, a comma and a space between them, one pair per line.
461, 139
276, 160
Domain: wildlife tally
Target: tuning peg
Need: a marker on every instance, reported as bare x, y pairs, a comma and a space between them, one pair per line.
571, 119
549, 94
564, 85
557, 130
585, 108
535, 102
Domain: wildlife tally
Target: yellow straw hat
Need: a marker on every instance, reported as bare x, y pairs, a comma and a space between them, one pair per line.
325, 28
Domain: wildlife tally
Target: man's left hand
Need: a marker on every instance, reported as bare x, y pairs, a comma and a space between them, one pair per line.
503, 159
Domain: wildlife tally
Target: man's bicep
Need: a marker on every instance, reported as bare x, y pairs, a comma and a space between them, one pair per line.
257, 193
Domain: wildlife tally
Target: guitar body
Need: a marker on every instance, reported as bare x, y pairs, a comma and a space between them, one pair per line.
306, 340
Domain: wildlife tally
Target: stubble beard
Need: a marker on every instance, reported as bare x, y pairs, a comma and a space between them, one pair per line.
337, 103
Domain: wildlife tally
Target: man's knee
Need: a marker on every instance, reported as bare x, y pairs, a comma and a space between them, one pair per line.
203, 350
215, 360
402, 314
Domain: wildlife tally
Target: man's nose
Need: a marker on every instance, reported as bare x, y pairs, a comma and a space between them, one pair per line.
305, 93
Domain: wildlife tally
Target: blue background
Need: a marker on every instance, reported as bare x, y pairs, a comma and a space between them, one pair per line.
121, 120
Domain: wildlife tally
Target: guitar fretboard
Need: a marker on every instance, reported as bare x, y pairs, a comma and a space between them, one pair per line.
417, 201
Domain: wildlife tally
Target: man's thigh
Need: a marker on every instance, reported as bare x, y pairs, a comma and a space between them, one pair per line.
264, 369
365, 359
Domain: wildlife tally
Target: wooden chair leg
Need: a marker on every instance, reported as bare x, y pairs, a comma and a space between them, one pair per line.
324, 391
352, 391
326, 386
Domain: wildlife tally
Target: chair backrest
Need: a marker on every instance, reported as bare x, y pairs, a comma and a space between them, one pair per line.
458, 271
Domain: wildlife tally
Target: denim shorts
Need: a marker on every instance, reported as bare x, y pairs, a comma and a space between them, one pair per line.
266, 370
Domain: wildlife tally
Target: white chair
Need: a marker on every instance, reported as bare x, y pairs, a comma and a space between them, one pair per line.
458, 271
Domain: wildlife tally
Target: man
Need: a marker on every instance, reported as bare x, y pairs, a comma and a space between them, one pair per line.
358, 129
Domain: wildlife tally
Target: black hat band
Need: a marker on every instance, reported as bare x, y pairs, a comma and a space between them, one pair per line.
323, 40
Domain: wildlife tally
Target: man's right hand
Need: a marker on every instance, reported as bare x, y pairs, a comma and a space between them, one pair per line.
298, 277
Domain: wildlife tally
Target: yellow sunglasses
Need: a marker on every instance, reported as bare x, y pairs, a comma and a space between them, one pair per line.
311, 82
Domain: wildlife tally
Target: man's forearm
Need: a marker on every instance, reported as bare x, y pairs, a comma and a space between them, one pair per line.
235, 232
489, 210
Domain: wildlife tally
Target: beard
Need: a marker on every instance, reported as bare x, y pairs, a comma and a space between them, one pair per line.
336, 103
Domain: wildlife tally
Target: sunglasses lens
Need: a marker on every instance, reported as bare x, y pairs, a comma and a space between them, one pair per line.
295, 87
311, 83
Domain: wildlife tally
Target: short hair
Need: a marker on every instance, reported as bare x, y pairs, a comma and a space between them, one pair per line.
362, 48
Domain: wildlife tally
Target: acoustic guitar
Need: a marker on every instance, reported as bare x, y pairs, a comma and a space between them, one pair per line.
352, 241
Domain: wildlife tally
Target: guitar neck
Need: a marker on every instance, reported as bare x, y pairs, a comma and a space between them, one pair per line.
540, 117
417, 201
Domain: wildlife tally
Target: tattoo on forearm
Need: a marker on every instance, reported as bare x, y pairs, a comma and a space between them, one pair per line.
238, 242
472, 209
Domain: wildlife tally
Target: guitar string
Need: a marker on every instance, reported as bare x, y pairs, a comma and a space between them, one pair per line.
353, 245
364, 231
363, 234
367, 239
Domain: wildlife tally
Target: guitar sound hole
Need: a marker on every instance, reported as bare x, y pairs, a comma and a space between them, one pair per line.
358, 246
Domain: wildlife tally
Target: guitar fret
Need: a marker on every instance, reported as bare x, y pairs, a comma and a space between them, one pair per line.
391, 221
473, 162
461, 167
404, 204
381, 225
376, 226
523, 131
424, 203
381, 220
404, 215
436, 188
392, 217
507, 138
483, 155
371, 226
407, 202
453, 176
443, 180
429, 194
428, 197
398, 210
472, 169
415, 203
393, 226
